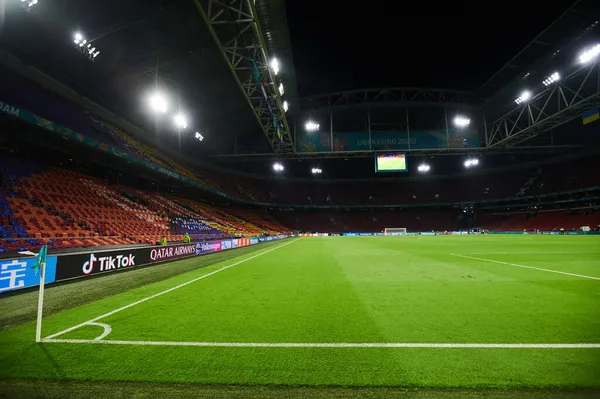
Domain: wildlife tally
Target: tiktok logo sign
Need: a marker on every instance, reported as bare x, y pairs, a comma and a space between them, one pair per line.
89, 265
108, 263
81, 265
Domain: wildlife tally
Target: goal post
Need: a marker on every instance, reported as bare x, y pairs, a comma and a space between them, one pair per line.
394, 231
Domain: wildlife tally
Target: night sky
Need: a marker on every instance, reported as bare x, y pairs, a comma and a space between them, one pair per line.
340, 47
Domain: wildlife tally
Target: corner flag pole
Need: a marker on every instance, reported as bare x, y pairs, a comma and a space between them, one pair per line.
38, 328
41, 262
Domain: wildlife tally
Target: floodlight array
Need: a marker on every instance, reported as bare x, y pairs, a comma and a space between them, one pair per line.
277, 167
85, 47
316, 171
27, 4
523, 97
555, 77
471, 162
590, 54
423, 168
275, 68
462, 121
585, 57
158, 103
199, 136
311, 126
180, 121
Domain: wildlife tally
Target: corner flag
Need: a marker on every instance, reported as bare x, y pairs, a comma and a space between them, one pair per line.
40, 260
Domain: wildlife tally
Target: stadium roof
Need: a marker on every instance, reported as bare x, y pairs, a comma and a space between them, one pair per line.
167, 43
576, 22
143, 45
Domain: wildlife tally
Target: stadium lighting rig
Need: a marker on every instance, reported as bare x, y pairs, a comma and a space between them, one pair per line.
311, 126
471, 162
285, 106
461, 121
199, 136
27, 4
180, 121
589, 54
158, 103
275, 66
585, 57
523, 97
277, 167
316, 171
85, 47
555, 77
281, 91
423, 168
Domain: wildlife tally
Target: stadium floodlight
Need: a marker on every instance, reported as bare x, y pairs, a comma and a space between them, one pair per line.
85, 47
311, 126
281, 89
554, 77
277, 167
423, 168
27, 4
158, 103
275, 65
316, 171
471, 162
285, 106
180, 121
524, 96
461, 121
199, 136
589, 54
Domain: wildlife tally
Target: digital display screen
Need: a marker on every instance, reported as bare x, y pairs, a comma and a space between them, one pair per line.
390, 162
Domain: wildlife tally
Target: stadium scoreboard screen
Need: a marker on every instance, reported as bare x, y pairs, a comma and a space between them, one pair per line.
390, 162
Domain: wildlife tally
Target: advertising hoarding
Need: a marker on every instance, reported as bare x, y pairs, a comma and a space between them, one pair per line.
86, 264
16, 274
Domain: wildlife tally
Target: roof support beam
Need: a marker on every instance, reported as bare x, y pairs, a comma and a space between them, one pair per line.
560, 103
236, 31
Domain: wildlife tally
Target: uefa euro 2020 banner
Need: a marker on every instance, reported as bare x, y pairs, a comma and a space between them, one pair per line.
387, 140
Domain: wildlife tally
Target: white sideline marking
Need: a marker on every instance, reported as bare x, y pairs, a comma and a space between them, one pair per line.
107, 329
162, 292
324, 345
528, 267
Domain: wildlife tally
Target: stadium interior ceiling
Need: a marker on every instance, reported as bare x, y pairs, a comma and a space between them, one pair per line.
165, 45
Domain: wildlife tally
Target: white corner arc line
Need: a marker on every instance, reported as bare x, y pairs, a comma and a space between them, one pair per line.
327, 344
165, 291
528, 267
106, 327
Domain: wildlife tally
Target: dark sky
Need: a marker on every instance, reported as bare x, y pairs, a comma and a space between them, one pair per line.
378, 43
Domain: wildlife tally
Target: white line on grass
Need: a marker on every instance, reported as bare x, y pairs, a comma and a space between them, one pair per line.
325, 344
527, 267
106, 327
162, 293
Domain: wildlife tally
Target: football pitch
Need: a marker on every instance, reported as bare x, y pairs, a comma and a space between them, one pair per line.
439, 312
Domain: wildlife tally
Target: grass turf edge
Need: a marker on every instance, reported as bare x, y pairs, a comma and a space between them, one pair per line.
41, 388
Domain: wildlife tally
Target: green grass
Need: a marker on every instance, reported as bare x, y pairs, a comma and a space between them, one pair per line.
333, 290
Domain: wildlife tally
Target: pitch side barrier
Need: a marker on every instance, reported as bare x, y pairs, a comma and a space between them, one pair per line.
18, 274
